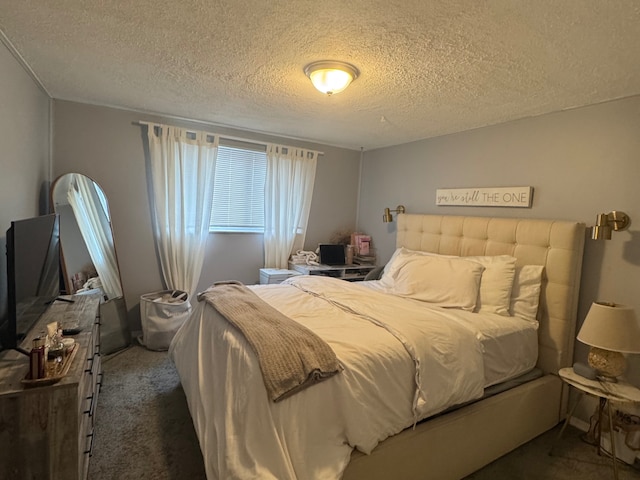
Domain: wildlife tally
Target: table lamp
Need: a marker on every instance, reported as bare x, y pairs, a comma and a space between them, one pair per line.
611, 330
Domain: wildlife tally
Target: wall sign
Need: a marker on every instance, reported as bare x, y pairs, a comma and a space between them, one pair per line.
485, 197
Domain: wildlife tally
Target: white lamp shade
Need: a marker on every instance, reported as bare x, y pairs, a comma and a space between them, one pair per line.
611, 327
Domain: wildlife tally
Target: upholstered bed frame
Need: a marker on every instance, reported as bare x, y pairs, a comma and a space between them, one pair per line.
455, 444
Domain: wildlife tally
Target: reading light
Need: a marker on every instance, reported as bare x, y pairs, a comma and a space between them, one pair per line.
607, 222
331, 76
610, 329
388, 217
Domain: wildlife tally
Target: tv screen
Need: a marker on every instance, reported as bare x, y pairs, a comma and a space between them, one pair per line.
33, 275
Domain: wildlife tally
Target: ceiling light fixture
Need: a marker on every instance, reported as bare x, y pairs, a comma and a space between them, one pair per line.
331, 76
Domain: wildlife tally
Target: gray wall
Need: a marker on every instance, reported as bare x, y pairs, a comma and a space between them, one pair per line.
580, 162
106, 144
24, 152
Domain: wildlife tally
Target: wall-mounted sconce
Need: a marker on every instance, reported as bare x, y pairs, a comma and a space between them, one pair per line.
388, 217
608, 222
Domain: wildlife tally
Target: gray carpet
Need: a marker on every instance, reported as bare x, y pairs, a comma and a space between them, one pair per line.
143, 431
143, 428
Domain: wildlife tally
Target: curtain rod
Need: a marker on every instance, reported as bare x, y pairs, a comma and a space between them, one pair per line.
230, 137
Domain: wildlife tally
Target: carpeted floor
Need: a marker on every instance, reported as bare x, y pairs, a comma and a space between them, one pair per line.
143, 431
143, 428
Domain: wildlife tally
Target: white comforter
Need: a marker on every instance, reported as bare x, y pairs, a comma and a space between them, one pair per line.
403, 361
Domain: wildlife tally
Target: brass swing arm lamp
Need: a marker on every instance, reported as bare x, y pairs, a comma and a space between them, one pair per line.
388, 217
608, 222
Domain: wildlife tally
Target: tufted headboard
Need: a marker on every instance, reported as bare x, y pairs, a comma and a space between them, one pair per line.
557, 245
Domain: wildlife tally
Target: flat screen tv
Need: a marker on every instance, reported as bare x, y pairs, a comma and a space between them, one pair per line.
33, 275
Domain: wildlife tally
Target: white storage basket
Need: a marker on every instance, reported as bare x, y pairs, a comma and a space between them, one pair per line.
162, 314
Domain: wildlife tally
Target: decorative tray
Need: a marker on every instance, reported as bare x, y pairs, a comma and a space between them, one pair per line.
55, 370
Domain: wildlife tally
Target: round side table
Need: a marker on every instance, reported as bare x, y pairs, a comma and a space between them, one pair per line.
606, 392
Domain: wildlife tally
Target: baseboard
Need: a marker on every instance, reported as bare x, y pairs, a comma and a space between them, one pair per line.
579, 424
628, 459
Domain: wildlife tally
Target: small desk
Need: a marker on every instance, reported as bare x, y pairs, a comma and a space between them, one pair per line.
606, 392
352, 273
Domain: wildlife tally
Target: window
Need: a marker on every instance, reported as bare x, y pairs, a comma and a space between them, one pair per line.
238, 189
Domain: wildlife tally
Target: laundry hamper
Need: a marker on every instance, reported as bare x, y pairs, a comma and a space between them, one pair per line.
162, 314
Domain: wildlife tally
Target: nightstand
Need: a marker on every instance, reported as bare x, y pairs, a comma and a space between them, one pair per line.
606, 392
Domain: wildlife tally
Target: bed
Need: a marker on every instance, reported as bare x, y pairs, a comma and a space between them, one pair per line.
401, 424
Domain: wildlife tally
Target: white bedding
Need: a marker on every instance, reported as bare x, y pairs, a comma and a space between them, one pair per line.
432, 359
509, 344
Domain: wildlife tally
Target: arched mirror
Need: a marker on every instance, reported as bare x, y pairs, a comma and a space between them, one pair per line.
89, 260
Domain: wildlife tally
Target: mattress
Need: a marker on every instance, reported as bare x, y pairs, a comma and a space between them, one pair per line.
509, 344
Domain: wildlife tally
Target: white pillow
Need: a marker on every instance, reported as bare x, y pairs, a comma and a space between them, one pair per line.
396, 261
438, 280
496, 284
525, 295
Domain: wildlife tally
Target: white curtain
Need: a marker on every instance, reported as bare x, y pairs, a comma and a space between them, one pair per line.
288, 192
182, 172
93, 222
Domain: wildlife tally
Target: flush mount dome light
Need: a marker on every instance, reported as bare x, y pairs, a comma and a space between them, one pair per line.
331, 76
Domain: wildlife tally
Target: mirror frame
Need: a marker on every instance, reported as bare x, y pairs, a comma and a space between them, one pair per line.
59, 181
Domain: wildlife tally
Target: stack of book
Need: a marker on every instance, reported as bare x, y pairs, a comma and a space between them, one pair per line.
364, 259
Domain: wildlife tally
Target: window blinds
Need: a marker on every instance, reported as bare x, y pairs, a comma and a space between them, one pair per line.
238, 192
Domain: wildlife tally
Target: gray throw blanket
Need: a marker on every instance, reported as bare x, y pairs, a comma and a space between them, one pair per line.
291, 356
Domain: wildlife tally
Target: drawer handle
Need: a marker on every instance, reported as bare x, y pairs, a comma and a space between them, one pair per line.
90, 450
90, 369
90, 410
99, 382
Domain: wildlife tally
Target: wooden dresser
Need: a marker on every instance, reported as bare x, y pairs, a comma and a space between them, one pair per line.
46, 432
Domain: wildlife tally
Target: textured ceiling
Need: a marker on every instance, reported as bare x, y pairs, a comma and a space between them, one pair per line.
428, 67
